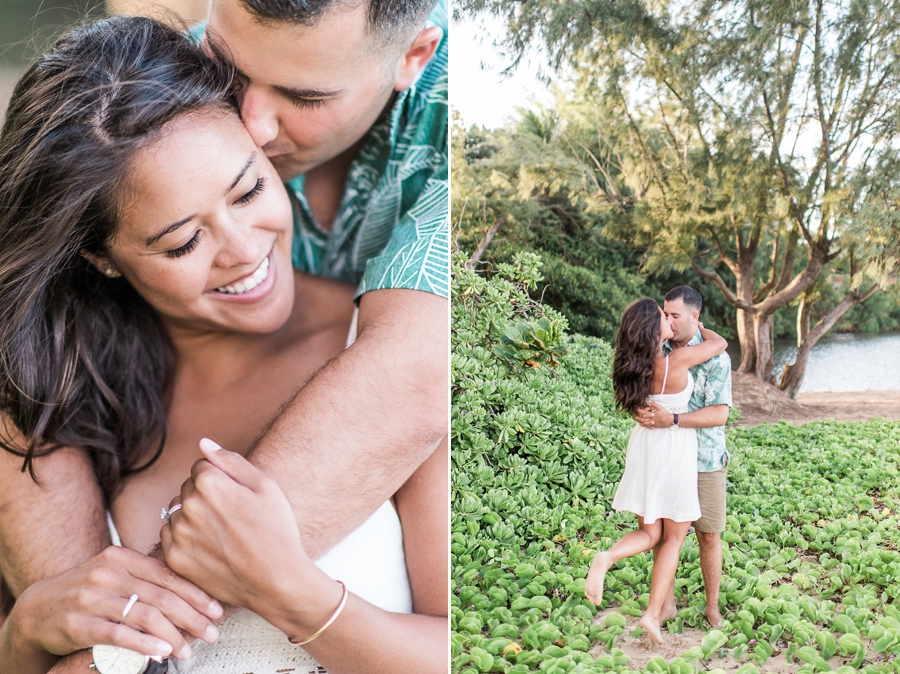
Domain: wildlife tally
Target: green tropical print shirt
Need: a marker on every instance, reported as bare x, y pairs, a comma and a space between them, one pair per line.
392, 226
712, 386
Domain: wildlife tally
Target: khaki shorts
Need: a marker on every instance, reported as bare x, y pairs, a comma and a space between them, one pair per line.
711, 489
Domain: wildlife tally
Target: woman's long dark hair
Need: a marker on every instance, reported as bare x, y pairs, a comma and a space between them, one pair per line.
86, 362
637, 345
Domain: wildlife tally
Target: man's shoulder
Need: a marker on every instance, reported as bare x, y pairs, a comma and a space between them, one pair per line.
714, 372
720, 362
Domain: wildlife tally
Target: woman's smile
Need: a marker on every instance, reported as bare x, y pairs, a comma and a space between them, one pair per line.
252, 287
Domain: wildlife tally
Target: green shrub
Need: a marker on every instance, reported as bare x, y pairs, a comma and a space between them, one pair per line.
811, 560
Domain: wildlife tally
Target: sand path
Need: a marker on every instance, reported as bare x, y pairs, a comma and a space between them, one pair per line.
761, 403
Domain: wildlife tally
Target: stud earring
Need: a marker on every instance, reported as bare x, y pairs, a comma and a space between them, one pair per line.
110, 270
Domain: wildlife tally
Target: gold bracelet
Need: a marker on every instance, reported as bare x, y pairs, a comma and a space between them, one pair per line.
337, 612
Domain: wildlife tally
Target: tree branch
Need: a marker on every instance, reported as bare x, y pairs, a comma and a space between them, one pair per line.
485, 242
723, 288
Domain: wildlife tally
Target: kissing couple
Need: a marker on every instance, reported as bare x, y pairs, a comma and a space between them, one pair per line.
673, 376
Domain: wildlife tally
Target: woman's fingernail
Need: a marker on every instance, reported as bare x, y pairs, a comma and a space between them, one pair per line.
184, 665
212, 633
184, 653
215, 610
164, 648
209, 445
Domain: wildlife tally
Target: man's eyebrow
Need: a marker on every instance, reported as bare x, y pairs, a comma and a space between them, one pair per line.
175, 225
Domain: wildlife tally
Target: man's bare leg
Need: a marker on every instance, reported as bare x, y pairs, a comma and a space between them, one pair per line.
711, 567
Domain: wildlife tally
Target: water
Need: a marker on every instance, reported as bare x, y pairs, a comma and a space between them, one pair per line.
846, 362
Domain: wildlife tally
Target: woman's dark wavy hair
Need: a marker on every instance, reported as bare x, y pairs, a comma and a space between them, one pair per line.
637, 345
86, 362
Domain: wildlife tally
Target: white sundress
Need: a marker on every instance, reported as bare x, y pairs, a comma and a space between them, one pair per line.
660, 478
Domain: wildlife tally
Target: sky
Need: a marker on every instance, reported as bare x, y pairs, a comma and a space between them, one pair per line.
477, 91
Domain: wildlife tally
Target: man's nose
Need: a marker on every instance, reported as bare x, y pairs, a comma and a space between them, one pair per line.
259, 115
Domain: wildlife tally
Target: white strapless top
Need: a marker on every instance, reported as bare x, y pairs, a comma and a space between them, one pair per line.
370, 561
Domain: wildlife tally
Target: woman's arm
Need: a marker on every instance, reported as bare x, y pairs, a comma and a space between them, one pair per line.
712, 345
229, 505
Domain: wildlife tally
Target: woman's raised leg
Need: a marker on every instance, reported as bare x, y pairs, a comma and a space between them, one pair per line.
663, 579
644, 538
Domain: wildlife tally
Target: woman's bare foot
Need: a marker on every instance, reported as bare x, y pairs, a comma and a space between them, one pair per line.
651, 627
593, 584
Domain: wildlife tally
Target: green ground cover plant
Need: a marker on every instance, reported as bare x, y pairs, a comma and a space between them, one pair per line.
811, 562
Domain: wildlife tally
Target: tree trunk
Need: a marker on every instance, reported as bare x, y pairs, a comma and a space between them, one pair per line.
747, 340
746, 333
763, 325
804, 311
485, 241
792, 378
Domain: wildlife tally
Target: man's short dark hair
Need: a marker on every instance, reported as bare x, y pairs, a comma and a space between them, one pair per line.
686, 294
389, 20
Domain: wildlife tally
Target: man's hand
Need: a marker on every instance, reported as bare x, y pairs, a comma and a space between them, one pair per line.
655, 416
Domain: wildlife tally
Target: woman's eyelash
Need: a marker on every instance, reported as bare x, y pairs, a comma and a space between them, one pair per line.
186, 248
251, 195
190, 245
308, 102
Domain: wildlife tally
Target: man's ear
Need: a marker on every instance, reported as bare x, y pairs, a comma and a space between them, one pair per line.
413, 61
695, 316
102, 263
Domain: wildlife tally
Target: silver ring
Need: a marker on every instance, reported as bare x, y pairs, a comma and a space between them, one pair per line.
166, 513
132, 600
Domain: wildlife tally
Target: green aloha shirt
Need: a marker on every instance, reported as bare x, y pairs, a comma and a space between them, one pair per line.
712, 386
392, 226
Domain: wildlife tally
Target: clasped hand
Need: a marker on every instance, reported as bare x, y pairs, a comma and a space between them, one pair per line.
84, 606
236, 535
653, 416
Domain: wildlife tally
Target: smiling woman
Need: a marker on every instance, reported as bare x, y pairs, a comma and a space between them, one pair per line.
226, 263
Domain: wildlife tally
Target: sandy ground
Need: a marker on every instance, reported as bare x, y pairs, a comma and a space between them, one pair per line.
640, 649
761, 403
